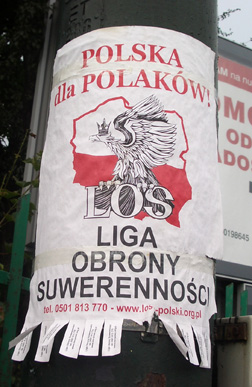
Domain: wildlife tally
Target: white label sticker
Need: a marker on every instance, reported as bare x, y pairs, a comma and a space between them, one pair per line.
72, 340
207, 342
205, 361
91, 338
44, 351
23, 346
112, 338
189, 340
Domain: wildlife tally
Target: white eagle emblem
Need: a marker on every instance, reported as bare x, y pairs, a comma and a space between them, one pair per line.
149, 142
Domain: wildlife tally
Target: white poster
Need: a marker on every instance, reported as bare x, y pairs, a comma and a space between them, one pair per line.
129, 197
235, 158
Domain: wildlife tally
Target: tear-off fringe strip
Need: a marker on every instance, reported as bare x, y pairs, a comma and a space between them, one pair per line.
82, 338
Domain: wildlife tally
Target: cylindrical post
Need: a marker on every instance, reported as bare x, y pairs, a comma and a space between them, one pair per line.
145, 360
195, 18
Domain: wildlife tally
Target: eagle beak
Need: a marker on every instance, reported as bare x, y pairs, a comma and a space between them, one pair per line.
94, 138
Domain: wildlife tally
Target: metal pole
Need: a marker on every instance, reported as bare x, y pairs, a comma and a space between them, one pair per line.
145, 360
194, 18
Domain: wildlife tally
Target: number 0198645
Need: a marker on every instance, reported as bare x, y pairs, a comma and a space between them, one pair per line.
236, 235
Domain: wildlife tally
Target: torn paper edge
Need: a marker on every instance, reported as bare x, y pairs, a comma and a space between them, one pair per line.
171, 329
203, 341
83, 338
187, 333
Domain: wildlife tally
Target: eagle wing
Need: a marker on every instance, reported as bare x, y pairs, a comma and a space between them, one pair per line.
154, 142
149, 137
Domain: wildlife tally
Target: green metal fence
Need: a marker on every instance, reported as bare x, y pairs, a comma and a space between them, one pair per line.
15, 282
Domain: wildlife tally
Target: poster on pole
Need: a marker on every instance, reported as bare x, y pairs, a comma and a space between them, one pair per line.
129, 206
235, 159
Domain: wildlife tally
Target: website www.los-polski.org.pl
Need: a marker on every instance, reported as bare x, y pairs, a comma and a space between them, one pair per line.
161, 311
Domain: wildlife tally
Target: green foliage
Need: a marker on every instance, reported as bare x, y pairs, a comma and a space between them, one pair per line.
35, 161
22, 28
9, 204
228, 34
22, 25
11, 197
224, 16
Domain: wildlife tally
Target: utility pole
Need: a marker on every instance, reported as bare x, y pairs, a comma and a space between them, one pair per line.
147, 358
